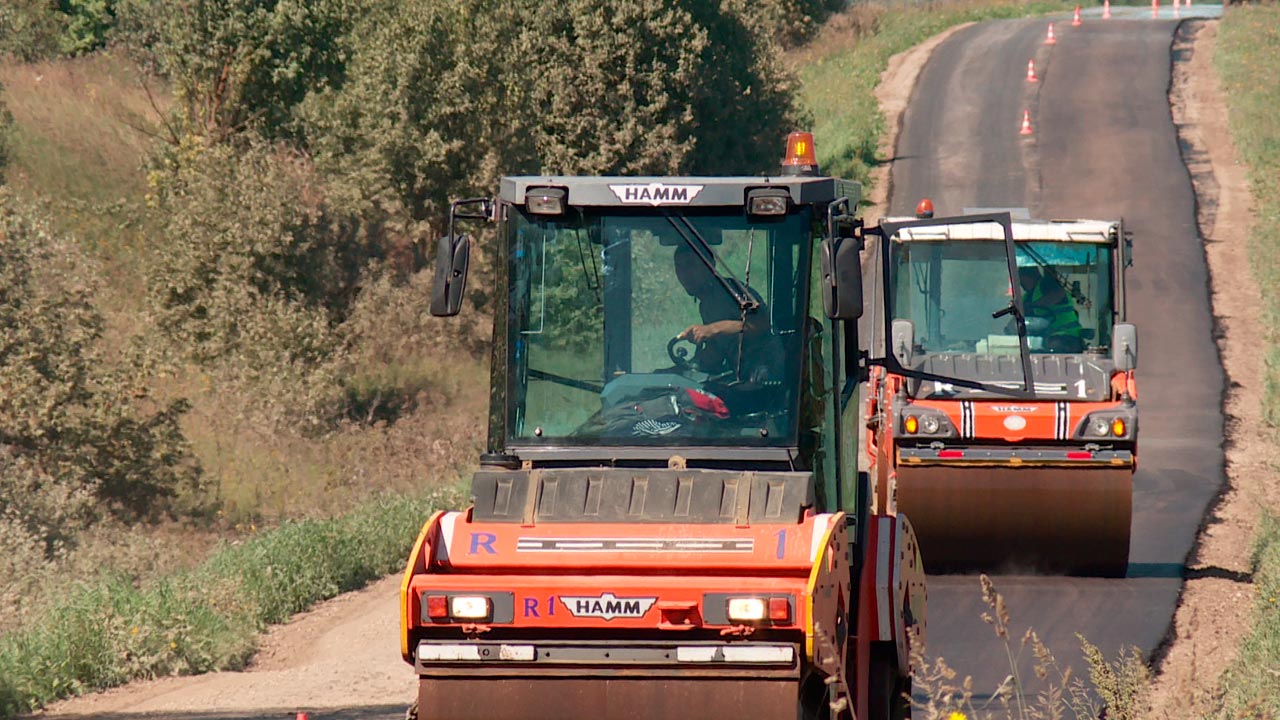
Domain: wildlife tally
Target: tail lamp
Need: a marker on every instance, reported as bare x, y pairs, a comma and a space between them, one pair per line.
759, 610
457, 607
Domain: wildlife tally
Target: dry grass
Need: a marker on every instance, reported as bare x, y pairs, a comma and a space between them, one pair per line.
83, 130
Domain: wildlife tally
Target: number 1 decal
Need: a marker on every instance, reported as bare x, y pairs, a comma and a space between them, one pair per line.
1081, 386
782, 543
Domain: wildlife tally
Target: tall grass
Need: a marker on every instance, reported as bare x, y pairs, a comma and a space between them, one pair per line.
839, 71
105, 631
1248, 61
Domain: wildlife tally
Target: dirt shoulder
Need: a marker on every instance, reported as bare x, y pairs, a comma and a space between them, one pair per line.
344, 654
1219, 590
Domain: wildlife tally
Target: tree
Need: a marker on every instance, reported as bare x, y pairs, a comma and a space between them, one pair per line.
240, 65
443, 96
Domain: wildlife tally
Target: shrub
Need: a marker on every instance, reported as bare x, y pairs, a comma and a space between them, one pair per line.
240, 65
78, 435
30, 29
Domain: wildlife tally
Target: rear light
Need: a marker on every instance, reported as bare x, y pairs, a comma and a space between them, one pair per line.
911, 424
743, 610
469, 607
437, 607
779, 610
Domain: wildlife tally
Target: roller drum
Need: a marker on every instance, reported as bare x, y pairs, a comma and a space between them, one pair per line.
1057, 520
597, 698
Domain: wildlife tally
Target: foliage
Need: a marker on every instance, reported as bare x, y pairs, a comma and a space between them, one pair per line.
786, 22
30, 29
88, 23
257, 264
79, 436
104, 631
240, 65
441, 98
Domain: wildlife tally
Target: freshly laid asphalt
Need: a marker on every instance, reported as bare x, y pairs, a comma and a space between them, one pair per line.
1103, 146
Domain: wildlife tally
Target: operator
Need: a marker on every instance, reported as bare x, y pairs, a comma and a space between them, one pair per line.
725, 329
1044, 297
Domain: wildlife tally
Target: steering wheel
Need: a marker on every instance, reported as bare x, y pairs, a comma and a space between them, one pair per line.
680, 356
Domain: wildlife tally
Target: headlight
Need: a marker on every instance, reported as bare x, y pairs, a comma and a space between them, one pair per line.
469, 607
929, 424
1100, 427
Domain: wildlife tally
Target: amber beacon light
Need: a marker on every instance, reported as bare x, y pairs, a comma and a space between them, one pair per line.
801, 158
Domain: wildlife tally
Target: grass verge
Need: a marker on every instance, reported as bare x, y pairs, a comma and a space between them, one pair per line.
105, 631
1248, 61
839, 71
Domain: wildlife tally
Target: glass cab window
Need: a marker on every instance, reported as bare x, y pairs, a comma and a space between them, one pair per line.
656, 327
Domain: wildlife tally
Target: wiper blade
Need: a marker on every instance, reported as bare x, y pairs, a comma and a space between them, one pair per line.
701, 248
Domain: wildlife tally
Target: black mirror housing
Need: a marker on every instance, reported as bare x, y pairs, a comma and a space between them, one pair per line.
842, 278
452, 256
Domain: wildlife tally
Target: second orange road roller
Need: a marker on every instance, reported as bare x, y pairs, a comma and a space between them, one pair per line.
1037, 484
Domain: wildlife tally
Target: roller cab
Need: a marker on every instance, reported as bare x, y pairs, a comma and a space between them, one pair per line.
993, 483
668, 520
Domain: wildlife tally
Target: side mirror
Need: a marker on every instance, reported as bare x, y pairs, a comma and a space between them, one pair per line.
904, 340
452, 254
842, 278
1124, 346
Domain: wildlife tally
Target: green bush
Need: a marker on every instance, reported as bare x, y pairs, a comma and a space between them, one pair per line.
79, 435
240, 65
443, 96
786, 22
30, 29
105, 631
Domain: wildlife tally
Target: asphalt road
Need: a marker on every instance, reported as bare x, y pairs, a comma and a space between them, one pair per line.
1103, 146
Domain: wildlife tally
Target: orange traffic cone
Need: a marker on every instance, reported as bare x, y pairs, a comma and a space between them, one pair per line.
1050, 39
1026, 123
1106, 9
301, 716
1075, 20
1176, 12
1031, 71
1155, 9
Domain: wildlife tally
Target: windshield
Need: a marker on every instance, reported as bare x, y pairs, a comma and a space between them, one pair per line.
656, 327
949, 291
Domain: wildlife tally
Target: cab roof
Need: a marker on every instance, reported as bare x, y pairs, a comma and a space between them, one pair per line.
606, 191
1083, 231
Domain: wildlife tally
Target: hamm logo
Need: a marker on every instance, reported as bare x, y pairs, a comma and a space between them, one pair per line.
608, 606
656, 194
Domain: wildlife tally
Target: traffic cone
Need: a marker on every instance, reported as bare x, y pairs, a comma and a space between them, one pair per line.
1155, 9
1106, 9
1176, 12
1026, 123
301, 716
1031, 71
1075, 20
1050, 39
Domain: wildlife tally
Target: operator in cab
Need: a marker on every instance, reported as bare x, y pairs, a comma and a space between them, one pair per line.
1044, 297
733, 347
